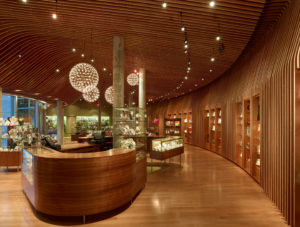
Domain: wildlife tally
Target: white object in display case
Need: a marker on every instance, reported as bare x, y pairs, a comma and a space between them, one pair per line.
258, 149
166, 144
185, 120
258, 162
219, 121
214, 114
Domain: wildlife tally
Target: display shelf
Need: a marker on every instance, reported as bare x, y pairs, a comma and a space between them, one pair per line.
206, 128
239, 134
173, 126
212, 129
129, 129
255, 142
189, 128
247, 136
153, 127
218, 130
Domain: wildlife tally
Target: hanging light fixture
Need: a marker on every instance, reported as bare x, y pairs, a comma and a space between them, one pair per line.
109, 94
83, 75
91, 94
133, 79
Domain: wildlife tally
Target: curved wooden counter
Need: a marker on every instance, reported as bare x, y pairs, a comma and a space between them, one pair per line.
68, 184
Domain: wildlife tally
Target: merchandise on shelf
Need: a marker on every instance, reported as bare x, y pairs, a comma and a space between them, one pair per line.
128, 144
258, 162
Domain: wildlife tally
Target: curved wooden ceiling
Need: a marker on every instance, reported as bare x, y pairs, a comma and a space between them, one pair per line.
33, 45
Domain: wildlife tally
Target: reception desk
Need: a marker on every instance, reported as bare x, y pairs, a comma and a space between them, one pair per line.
69, 184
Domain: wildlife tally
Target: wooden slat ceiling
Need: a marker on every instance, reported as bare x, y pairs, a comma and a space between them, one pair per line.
153, 40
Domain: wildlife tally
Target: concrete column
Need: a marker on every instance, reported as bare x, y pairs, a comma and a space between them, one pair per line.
99, 116
142, 88
118, 71
60, 122
36, 116
118, 80
142, 98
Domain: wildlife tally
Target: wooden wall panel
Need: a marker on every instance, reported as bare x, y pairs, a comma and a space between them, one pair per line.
266, 67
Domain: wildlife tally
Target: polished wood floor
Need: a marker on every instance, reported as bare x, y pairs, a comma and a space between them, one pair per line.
206, 191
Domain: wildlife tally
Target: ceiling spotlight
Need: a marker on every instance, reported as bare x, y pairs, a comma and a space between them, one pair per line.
18, 90
186, 77
82, 55
24, 1
196, 85
212, 3
185, 51
104, 69
57, 70
212, 59
19, 55
218, 38
54, 16
186, 46
185, 41
164, 4
73, 50
182, 28
210, 70
92, 60
36, 93
202, 78
189, 68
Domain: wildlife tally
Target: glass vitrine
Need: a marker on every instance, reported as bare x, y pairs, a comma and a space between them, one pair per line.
166, 144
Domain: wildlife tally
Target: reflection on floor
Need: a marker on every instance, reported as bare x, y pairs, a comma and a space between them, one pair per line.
206, 190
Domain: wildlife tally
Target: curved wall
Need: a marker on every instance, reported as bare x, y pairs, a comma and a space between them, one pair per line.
267, 68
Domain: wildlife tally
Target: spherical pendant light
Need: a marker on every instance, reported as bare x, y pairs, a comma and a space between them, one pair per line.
109, 94
83, 75
133, 79
91, 94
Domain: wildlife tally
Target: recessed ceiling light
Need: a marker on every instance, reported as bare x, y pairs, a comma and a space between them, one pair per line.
49, 96
218, 37
182, 28
57, 70
185, 51
36, 93
164, 4
19, 55
186, 46
186, 77
82, 55
212, 59
196, 85
54, 16
212, 3
24, 1
18, 90
104, 69
210, 70
202, 78
92, 60
73, 50
189, 68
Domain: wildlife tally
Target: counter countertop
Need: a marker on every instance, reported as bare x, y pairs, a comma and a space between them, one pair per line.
46, 152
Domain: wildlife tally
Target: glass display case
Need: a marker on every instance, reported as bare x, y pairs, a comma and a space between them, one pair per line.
27, 166
129, 130
166, 144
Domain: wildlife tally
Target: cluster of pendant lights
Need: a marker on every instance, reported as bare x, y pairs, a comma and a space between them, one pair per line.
212, 3
84, 78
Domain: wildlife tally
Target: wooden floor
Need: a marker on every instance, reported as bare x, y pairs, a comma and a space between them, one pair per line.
206, 191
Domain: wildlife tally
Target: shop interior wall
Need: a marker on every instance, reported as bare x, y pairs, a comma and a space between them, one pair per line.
266, 67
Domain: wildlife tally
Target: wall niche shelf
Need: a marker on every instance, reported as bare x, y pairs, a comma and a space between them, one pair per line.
172, 126
255, 140
247, 136
206, 129
239, 134
212, 129
218, 130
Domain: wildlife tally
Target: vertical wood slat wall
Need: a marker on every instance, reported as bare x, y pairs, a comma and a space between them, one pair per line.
266, 67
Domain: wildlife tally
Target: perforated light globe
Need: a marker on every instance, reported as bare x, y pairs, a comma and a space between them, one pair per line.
133, 79
109, 93
91, 94
83, 75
